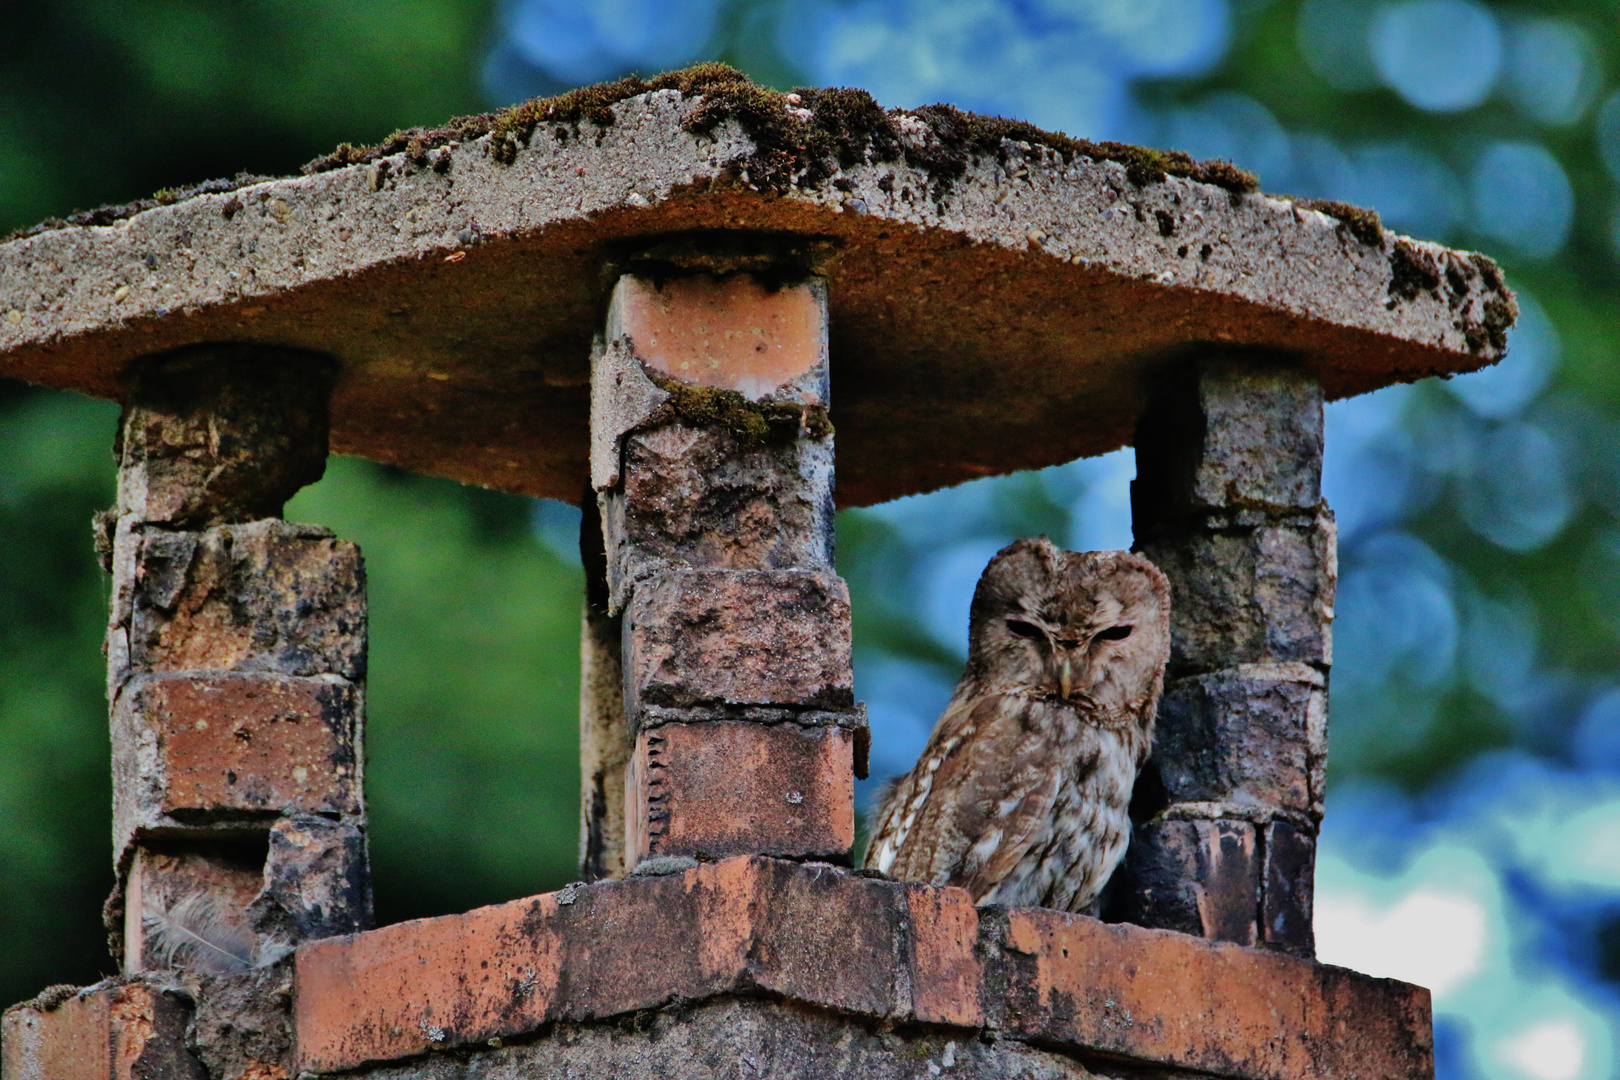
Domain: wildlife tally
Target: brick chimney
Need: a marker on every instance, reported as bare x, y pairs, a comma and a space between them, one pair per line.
670, 298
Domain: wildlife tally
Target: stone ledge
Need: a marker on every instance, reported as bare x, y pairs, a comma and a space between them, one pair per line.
887, 952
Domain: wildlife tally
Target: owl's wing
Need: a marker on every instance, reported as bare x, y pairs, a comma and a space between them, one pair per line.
1016, 819
1005, 796
895, 846
991, 791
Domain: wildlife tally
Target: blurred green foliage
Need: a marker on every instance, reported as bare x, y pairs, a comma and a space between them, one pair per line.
104, 102
472, 770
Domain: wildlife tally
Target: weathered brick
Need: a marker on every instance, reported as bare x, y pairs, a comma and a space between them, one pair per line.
266, 596
115, 1030
215, 743
802, 919
584, 952
724, 637
317, 881
698, 498
725, 788
1227, 501
1242, 737
1289, 877
1211, 1006
1250, 595
1195, 877
947, 974
1231, 432
221, 433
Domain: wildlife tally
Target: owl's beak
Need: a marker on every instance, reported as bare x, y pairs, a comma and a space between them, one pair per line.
1065, 674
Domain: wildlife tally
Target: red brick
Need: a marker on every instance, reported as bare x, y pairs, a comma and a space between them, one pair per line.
112, 1031
214, 742
822, 936
1170, 998
870, 950
768, 637
947, 974
727, 788
581, 953
733, 333
72, 1041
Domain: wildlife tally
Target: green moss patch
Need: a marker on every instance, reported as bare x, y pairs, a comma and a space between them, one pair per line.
108, 215
846, 128
962, 136
751, 423
509, 128
1361, 223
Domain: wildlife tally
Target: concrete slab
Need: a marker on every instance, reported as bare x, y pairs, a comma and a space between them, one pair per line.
1001, 298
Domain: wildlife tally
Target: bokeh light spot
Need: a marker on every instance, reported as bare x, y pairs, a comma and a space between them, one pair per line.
1440, 55
1522, 197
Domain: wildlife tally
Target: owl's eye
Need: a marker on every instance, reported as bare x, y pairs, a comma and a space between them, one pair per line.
1114, 633
1020, 628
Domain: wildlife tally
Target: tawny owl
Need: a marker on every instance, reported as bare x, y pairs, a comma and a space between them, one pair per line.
1022, 792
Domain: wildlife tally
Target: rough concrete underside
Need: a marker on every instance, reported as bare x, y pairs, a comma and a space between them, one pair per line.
1012, 316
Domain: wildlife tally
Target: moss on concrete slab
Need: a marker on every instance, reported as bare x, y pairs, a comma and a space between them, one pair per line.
803, 138
1362, 223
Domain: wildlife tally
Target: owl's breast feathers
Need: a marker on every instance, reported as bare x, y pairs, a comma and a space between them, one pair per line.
1010, 786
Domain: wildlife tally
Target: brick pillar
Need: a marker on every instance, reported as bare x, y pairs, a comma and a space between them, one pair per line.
1227, 501
236, 653
712, 458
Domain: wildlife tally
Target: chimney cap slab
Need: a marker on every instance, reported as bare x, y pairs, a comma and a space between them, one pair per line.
1001, 298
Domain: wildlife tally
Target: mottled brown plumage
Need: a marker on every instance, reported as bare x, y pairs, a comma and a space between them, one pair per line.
1021, 794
